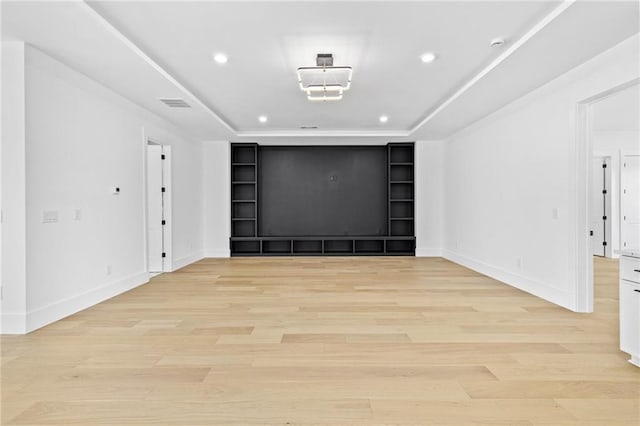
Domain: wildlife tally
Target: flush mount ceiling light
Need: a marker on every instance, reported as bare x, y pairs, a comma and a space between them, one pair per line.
220, 58
263, 119
383, 118
428, 57
324, 82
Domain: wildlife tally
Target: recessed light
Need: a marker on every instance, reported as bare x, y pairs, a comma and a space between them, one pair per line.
428, 57
263, 119
383, 118
220, 58
496, 42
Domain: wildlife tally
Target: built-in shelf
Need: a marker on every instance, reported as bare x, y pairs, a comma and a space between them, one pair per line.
401, 192
323, 246
246, 239
244, 196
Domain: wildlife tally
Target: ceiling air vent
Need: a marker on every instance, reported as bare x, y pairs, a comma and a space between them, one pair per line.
310, 126
175, 103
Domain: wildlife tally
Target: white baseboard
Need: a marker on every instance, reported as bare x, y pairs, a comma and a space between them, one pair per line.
55, 311
217, 253
13, 324
536, 288
428, 252
186, 260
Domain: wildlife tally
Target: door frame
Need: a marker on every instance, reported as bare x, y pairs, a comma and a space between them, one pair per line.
582, 200
167, 264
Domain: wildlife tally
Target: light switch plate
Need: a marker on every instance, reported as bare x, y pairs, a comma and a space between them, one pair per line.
49, 216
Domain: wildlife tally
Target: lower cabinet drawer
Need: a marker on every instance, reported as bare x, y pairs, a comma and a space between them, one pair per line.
630, 317
630, 269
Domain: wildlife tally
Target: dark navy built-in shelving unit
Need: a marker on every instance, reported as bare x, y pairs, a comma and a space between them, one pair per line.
246, 239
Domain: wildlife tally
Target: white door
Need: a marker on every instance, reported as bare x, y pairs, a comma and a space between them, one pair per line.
630, 203
598, 212
155, 241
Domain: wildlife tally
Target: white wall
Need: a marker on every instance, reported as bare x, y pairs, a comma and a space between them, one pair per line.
217, 198
429, 193
14, 270
510, 182
82, 139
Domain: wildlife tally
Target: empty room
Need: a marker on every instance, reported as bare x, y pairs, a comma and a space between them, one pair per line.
320, 213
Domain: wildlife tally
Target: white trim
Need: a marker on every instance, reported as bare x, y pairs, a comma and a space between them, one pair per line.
216, 254
508, 52
186, 260
574, 74
146, 58
583, 166
13, 324
428, 252
324, 133
536, 288
55, 311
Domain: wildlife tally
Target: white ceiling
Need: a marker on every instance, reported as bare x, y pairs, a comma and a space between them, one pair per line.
150, 50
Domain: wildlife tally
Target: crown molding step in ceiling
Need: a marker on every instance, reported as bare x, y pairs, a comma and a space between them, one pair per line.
430, 67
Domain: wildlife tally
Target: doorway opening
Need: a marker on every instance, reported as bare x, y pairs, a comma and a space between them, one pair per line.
158, 208
607, 144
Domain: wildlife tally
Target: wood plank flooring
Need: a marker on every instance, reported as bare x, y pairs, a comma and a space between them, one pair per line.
325, 341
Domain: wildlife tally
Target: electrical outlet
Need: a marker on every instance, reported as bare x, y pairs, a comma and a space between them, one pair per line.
108, 270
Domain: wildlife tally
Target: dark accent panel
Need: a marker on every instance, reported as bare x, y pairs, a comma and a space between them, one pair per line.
369, 246
338, 246
400, 246
307, 247
245, 247
402, 209
276, 247
323, 190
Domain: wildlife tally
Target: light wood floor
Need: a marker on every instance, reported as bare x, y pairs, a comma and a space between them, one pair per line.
325, 341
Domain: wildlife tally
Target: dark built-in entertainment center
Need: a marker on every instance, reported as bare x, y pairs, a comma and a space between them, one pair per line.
322, 200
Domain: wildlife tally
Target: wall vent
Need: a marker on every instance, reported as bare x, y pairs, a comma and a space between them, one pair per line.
175, 103
309, 126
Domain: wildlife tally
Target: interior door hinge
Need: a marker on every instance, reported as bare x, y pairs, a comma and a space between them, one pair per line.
604, 166
164, 222
604, 191
164, 254
604, 243
162, 157
163, 189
